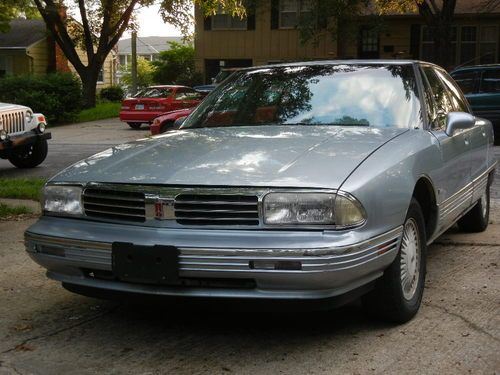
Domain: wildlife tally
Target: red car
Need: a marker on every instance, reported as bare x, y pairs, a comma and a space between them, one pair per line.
166, 120
156, 100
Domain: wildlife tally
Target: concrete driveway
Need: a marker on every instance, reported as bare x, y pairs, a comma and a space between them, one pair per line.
47, 330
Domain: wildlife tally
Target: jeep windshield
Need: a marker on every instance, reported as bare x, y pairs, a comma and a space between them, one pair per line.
343, 94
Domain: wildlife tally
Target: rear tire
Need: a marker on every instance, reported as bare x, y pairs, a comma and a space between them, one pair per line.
398, 293
477, 219
31, 155
134, 125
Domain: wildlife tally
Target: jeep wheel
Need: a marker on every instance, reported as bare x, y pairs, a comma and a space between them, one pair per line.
134, 125
398, 293
30, 156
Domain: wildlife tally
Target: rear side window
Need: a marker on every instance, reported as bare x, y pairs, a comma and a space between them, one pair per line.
466, 81
490, 81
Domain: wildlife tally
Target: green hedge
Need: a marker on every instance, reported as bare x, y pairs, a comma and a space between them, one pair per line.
112, 93
57, 95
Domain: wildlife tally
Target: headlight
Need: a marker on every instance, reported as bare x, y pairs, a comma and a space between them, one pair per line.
62, 199
29, 116
340, 210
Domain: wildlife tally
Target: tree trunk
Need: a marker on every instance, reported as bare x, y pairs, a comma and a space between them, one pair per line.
89, 86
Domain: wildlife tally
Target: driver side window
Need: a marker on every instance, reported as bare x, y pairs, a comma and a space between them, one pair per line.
438, 99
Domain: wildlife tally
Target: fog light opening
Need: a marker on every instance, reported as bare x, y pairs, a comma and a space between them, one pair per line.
282, 265
41, 127
3, 135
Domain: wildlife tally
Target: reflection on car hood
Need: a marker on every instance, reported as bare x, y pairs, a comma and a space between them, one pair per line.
284, 156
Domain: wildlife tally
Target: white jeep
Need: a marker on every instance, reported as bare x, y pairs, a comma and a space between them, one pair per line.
23, 139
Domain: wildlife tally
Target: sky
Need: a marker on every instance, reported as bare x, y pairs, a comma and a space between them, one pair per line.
151, 24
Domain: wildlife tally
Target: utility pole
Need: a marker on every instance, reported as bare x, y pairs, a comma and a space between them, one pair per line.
134, 62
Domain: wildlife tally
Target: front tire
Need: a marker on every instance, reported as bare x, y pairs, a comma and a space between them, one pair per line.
398, 293
134, 125
477, 219
31, 155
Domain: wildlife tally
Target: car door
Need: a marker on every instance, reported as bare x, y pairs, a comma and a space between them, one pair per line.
478, 135
453, 177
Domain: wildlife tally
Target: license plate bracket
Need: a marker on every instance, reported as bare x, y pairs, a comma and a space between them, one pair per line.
157, 264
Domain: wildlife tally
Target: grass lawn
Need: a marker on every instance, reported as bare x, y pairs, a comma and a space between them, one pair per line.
99, 112
21, 188
7, 211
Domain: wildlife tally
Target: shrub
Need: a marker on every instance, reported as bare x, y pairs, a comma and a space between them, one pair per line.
57, 95
112, 93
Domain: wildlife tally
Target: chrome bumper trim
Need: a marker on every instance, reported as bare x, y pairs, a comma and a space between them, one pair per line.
90, 254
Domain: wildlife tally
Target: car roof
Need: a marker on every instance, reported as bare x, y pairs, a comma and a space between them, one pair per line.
476, 67
166, 86
340, 62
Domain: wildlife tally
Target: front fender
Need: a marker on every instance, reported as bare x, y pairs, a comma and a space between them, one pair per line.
385, 181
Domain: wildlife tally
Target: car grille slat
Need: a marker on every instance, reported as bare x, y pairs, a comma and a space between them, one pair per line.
13, 122
216, 209
114, 204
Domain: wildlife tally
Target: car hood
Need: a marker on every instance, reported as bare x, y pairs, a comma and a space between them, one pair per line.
283, 156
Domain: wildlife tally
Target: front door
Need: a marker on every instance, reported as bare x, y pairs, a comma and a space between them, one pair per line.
452, 178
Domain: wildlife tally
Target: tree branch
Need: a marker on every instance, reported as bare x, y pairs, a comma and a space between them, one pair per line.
89, 45
58, 30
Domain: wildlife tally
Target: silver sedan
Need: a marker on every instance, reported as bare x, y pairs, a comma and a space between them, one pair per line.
300, 181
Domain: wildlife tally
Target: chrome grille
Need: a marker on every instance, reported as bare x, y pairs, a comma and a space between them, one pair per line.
114, 204
13, 122
216, 209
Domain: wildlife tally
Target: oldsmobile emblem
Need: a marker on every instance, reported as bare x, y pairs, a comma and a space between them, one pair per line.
160, 208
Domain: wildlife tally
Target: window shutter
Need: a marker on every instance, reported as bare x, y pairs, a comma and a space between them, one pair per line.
251, 21
275, 14
415, 41
207, 23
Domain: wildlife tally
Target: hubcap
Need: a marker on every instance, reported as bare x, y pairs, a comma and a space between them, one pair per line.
410, 259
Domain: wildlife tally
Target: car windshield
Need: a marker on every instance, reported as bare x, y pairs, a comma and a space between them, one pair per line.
154, 92
343, 94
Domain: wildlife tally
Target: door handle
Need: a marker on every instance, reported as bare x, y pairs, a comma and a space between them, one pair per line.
466, 141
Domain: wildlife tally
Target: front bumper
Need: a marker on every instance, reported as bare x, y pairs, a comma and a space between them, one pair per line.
139, 116
216, 263
23, 139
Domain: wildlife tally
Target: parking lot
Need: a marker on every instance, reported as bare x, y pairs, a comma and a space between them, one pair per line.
45, 329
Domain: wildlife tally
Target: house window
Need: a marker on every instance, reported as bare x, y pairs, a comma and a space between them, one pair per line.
427, 44
123, 59
100, 76
468, 43
5, 66
224, 21
488, 44
291, 11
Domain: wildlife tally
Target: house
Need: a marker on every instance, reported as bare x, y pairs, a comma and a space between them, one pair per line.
148, 47
269, 35
28, 48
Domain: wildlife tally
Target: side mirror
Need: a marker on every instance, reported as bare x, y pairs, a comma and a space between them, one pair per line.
458, 120
178, 122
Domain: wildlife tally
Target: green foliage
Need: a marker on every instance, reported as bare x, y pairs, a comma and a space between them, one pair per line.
57, 95
112, 93
101, 111
7, 211
176, 66
10, 9
21, 188
145, 72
